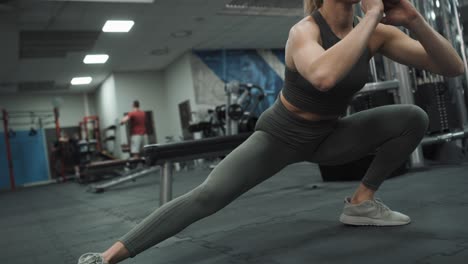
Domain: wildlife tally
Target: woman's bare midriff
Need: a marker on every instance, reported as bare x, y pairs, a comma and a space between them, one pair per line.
306, 115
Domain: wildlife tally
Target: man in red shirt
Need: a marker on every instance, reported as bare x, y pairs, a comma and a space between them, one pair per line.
137, 120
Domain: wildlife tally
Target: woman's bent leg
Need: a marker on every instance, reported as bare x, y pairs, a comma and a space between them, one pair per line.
392, 132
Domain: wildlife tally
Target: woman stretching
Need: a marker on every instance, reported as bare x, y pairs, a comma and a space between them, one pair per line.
327, 62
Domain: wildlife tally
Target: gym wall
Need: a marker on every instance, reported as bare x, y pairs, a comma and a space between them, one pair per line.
179, 88
106, 107
71, 112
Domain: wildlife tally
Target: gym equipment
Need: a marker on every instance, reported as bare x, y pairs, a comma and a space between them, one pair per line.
166, 154
127, 169
375, 94
110, 136
98, 168
435, 99
8, 148
444, 138
96, 171
92, 136
90, 140
205, 127
131, 177
239, 117
42, 117
445, 118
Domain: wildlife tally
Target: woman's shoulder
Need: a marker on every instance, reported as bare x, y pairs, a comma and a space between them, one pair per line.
305, 28
301, 33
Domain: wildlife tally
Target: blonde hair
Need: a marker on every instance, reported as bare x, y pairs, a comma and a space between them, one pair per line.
311, 5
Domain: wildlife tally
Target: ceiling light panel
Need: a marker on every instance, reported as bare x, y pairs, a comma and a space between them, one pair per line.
118, 26
108, 1
81, 80
96, 59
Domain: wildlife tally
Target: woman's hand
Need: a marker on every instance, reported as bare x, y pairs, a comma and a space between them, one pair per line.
399, 12
372, 5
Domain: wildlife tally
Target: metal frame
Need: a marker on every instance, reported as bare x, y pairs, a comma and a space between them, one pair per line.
94, 120
165, 194
167, 170
380, 86
444, 138
142, 173
406, 97
463, 53
8, 149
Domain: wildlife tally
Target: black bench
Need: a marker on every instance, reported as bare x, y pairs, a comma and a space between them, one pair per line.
111, 164
166, 154
96, 170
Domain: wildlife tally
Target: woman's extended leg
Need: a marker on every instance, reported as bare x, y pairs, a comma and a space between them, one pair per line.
392, 131
256, 160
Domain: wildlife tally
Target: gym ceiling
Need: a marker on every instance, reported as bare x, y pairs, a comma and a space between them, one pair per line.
43, 43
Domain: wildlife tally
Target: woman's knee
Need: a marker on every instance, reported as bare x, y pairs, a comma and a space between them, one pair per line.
210, 198
413, 116
418, 117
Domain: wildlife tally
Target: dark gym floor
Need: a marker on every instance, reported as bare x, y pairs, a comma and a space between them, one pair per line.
291, 218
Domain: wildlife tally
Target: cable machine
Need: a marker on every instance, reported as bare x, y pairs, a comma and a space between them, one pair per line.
444, 99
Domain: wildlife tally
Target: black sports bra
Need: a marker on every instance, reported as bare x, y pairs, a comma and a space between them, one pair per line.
302, 94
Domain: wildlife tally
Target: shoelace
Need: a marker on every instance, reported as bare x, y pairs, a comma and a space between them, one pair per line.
382, 207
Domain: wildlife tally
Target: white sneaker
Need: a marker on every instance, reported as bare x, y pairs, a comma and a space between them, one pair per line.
91, 258
371, 213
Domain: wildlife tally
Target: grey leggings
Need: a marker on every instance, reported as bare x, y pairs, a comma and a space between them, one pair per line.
283, 138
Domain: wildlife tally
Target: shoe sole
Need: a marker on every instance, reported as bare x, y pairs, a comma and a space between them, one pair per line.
366, 221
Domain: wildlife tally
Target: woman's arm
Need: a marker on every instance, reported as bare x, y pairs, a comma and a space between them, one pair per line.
325, 68
432, 52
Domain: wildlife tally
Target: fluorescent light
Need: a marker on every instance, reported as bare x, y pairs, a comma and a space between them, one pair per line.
111, 1
81, 80
96, 59
118, 26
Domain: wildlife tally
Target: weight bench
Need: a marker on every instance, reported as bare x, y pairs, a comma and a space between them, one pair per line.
110, 165
130, 177
165, 155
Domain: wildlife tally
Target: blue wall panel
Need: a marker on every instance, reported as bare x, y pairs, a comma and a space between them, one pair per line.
245, 66
280, 53
29, 160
